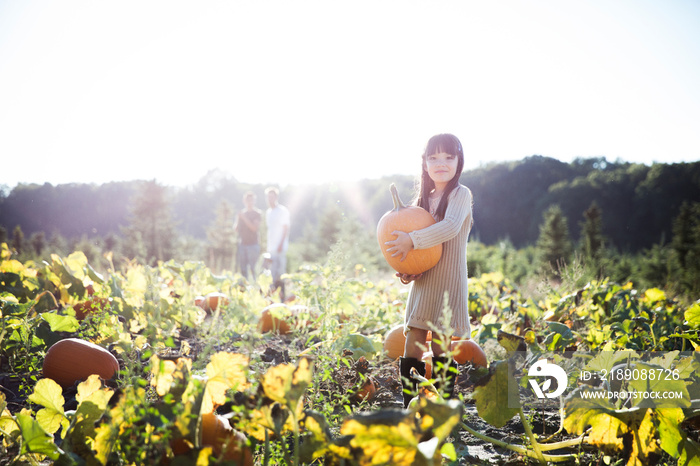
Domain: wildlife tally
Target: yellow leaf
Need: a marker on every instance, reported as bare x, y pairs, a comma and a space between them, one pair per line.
653, 295
92, 390
48, 394
225, 371
166, 373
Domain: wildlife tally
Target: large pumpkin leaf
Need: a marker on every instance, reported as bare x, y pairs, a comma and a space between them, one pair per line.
498, 399
8, 424
35, 438
286, 383
692, 315
384, 437
402, 437
170, 376
61, 323
645, 430
48, 394
660, 386
225, 371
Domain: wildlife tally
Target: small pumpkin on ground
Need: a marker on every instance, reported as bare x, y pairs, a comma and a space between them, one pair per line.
212, 301
367, 391
72, 360
463, 350
224, 440
288, 317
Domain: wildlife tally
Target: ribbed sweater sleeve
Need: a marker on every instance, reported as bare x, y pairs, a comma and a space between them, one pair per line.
459, 210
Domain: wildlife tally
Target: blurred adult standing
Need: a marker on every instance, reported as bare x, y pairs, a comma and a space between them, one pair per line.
248, 228
277, 219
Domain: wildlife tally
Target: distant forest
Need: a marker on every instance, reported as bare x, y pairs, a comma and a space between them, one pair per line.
638, 202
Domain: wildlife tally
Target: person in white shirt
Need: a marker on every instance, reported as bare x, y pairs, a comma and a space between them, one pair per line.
277, 218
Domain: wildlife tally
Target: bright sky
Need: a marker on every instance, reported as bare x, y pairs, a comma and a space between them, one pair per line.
304, 91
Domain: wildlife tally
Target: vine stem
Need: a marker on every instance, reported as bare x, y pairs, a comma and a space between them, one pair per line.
533, 440
525, 451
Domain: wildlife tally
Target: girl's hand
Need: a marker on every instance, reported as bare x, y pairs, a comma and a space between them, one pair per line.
401, 246
406, 279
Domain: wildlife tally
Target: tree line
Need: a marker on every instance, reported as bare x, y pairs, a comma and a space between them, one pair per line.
533, 215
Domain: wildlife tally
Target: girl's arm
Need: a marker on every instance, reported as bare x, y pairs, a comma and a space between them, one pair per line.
459, 210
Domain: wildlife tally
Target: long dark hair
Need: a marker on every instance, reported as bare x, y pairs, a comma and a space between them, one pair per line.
448, 144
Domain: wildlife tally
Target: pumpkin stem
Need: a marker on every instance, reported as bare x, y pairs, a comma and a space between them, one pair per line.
395, 196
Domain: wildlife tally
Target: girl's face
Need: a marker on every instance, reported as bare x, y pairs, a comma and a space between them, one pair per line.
441, 168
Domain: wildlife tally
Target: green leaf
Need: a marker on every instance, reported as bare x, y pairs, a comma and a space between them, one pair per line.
61, 323
692, 315
94, 275
498, 400
36, 439
691, 453
359, 344
449, 452
606, 360
48, 394
659, 386
653, 295
671, 436
512, 343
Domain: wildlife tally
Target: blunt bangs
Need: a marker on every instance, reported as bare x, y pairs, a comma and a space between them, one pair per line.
446, 143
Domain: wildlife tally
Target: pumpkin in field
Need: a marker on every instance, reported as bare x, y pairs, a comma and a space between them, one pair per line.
367, 391
93, 305
464, 351
271, 323
72, 360
282, 319
224, 440
212, 301
428, 360
407, 219
394, 341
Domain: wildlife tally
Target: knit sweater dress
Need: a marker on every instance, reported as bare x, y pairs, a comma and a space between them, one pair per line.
426, 298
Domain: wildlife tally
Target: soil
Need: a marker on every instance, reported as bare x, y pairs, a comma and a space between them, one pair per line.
384, 374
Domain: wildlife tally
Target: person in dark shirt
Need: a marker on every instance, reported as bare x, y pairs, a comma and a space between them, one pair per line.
248, 226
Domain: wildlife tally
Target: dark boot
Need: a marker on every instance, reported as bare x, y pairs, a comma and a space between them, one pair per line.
407, 382
447, 371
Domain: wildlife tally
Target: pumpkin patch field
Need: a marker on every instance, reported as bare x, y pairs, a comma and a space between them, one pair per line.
175, 365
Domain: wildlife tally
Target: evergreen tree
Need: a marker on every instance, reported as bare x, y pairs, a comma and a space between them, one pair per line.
592, 234
18, 240
222, 238
329, 228
151, 223
684, 236
554, 244
38, 242
686, 244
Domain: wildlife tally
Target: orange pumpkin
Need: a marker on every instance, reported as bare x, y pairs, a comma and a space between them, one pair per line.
224, 440
368, 390
464, 351
72, 360
407, 219
212, 301
394, 341
270, 323
428, 360
95, 304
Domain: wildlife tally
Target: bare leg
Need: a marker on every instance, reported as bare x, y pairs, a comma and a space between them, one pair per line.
438, 344
415, 343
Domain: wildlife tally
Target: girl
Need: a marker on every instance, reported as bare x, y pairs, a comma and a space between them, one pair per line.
450, 203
